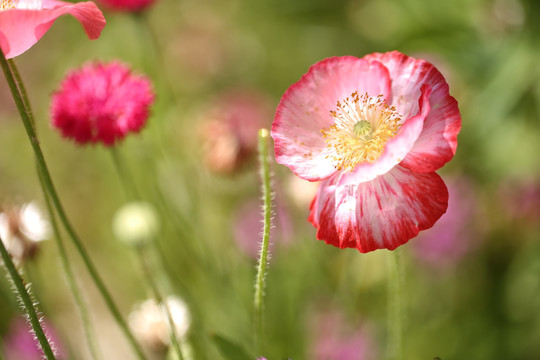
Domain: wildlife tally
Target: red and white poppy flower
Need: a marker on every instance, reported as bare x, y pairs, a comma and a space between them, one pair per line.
374, 131
24, 22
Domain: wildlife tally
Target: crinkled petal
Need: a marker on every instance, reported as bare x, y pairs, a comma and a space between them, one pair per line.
437, 143
396, 149
383, 213
20, 29
304, 110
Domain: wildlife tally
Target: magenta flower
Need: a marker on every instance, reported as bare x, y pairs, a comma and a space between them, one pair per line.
24, 22
333, 338
101, 103
374, 130
456, 233
127, 5
20, 343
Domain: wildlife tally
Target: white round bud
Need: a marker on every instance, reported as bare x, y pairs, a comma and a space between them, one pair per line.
136, 223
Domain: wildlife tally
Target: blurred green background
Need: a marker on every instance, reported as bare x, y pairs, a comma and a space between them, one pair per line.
476, 296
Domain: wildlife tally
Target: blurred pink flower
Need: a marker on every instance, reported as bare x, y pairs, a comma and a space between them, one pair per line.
521, 199
101, 103
374, 131
229, 129
334, 339
20, 343
456, 233
24, 22
248, 226
127, 5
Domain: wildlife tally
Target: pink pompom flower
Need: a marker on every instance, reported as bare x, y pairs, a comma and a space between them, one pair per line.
101, 103
24, 22
374, 131
127, 5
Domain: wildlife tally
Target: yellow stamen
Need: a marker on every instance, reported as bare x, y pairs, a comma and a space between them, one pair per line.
362, 126
7, 4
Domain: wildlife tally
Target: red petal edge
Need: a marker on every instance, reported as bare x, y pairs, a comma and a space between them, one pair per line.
383, 213
20, 29
437, 143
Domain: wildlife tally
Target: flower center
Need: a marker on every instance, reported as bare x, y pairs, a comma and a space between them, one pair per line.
7, 4
20, 4
362, 126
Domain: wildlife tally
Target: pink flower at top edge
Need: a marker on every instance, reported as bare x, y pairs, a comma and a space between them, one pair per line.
101, 103
374, 131
127, 5
24, 22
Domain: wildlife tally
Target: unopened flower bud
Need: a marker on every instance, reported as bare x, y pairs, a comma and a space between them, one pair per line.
136, 223
150, 324
21, 229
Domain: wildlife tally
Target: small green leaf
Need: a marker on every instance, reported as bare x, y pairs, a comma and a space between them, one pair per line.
230, 350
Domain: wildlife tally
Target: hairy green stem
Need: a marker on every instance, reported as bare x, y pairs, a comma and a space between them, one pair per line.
395, 306
27, 302
47, 180
260, 280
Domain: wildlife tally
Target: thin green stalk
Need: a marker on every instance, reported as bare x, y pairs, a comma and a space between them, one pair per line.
163, 305
42, 167
22, 90
260, 280
72, 283
27, 302
129, 185
151, 40
395, 307
123, 173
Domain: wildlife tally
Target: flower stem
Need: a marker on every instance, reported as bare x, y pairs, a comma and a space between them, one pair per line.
162, 304
144, 257
395, 304
72, 283
27, 302
123, 173
260, 280
47, 180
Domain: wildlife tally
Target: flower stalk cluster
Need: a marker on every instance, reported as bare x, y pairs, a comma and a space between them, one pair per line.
51, 191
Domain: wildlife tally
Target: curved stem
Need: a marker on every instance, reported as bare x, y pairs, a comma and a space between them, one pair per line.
162, 304
47, 180
260, 281
22, 90
72, 283
26, 302
144, 259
